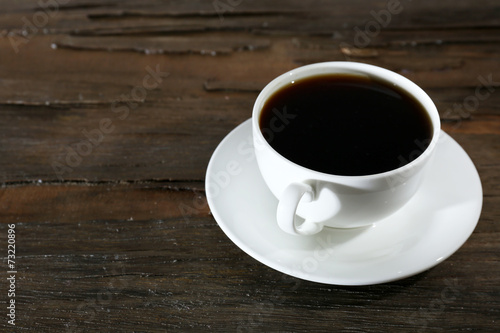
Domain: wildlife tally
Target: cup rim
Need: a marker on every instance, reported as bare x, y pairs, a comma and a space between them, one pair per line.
351, 67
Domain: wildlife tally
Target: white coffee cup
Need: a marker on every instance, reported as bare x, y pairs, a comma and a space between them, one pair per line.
321, 199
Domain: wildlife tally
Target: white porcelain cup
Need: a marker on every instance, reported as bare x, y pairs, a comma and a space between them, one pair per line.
310, 200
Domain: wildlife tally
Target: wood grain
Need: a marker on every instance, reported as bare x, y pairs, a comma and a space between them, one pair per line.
110, 111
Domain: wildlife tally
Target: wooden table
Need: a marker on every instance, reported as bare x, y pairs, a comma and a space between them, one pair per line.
110, 111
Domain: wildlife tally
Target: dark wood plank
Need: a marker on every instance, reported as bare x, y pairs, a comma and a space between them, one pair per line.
196, 103
171, 273
101, 201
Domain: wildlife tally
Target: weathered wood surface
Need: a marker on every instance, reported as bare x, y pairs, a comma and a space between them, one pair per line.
113, 229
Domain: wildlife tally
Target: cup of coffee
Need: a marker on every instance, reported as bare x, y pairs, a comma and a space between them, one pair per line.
342, 144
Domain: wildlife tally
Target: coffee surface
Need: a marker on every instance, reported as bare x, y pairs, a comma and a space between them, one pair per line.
345, 124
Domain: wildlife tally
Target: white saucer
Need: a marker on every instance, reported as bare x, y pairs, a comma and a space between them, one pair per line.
430, 228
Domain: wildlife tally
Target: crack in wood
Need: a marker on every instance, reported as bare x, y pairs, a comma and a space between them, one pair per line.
204, 45
166, 183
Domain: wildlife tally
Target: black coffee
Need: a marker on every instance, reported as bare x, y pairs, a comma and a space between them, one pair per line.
345, 125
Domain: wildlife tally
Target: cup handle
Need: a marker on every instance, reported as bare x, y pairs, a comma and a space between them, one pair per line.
287, 208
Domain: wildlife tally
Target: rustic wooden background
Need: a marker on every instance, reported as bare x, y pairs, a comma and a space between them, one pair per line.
113, 230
